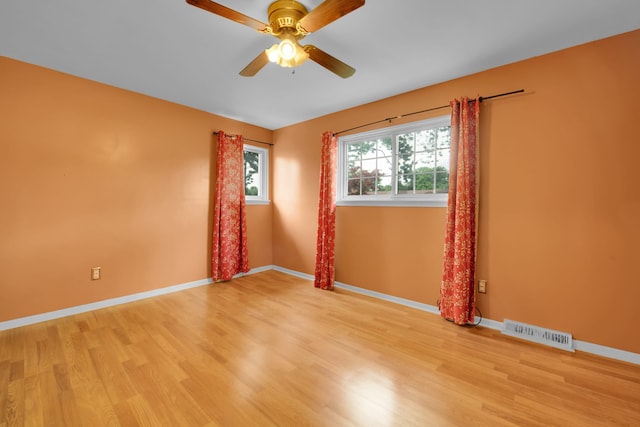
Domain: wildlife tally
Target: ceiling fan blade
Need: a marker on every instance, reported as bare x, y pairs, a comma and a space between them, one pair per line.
329, 62
225, 12
255, 65
327, 12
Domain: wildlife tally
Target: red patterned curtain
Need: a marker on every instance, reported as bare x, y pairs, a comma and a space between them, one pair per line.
324, 275
457, 292
229, 252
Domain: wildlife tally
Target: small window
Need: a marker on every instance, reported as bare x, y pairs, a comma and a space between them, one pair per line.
256, 175
406, 165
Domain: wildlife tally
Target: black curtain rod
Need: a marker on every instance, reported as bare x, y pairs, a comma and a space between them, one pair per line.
388, 119
249, 139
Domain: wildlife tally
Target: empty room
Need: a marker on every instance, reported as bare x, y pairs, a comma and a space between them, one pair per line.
319, 213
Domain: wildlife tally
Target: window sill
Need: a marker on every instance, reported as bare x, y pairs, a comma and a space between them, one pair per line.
256, 202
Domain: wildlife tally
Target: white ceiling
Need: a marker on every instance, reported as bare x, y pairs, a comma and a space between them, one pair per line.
173, 51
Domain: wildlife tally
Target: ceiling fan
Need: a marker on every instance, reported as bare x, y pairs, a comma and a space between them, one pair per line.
290, 22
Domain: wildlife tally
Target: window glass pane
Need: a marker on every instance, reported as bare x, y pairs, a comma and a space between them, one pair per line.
385, 166
424, 182
405, 184
384, 184
252, 182
442, 181
385, 147
442, 159
406, 143
425, 160
426, 140
405, 147
353, 163
369, 165
353, 154
354, 172
368, 150
444, 137
354, 187
369, 184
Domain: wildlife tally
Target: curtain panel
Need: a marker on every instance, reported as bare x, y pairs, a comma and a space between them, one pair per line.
457, 291
324, 271
229, 246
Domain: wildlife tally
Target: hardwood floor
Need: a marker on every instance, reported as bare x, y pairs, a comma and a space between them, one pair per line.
270, 350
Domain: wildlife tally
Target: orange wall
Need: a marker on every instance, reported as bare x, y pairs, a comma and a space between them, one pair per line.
92, 175
559, 206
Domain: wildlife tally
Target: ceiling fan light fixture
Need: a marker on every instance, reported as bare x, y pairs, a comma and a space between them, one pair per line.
287, 49
301, 56
288, 56
273, 54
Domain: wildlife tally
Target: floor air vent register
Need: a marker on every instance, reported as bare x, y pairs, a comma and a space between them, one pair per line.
557, 339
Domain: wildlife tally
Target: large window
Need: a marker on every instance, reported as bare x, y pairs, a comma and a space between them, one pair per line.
256, 175
406, 165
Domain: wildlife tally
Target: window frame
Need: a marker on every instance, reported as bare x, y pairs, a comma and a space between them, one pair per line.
404, 200
263, 171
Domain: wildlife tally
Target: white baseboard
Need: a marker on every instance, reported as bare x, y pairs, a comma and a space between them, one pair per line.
610, 352
402, 301
43, 317
587, 347
294, 273
254, 271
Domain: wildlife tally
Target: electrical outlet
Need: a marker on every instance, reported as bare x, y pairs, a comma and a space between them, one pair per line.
482, 286
95, 273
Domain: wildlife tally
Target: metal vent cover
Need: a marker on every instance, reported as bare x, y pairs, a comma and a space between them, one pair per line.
550, 337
